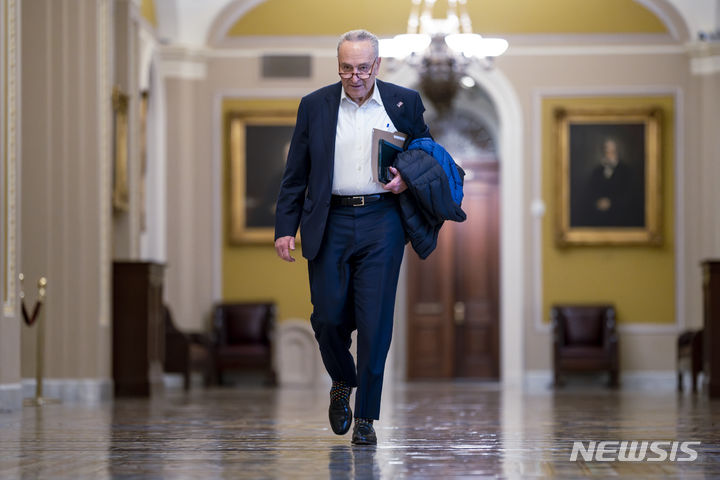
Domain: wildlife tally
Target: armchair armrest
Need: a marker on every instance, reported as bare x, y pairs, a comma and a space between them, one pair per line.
610, 334
557, 328
269, 329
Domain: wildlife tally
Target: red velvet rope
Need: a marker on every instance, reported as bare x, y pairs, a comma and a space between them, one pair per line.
29, 320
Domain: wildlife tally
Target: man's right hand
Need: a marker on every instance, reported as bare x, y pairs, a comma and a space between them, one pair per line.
283, 245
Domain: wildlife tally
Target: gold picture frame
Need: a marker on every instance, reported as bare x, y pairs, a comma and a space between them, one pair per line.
121, 191
144, 102
609, 189
256, 144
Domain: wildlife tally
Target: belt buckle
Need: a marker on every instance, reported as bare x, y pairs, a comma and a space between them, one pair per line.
362, 201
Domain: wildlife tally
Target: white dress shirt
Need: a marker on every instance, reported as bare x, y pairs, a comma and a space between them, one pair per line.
352, 173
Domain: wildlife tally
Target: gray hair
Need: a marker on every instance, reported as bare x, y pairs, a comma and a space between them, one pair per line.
360, 36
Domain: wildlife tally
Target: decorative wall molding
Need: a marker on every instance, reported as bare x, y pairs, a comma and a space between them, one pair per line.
217, 200
155, 236
520, 45
226, 18
148, 45
705, 65
11, 396
185, 69
72, 390
565, 50
679, 177
152, 240
10, 136
632, 380
665, 14
704, 57
105, 180
182, 62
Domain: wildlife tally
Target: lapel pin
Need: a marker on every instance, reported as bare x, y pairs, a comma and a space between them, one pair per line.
400, 104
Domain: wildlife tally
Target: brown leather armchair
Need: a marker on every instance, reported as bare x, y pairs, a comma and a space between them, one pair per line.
185, 352
584, 339
242, 338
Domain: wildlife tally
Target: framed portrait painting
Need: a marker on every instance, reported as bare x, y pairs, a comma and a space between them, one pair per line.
257, 144
121, 192
608, 177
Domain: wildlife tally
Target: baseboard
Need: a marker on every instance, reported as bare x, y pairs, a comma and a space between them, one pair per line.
173, 381
537, 380
11, 397
72, 390
654, 380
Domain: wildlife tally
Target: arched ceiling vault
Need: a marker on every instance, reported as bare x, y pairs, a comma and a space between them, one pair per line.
192, 23
320, 17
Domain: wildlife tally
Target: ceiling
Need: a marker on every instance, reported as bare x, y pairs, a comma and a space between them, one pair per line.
322, 17
191, 22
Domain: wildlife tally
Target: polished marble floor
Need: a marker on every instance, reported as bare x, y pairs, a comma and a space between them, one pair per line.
427, 430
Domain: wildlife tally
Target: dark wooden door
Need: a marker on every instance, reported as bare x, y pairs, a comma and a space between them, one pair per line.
453, 295
476, 252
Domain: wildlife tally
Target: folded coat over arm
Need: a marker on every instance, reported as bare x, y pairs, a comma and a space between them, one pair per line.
427, 202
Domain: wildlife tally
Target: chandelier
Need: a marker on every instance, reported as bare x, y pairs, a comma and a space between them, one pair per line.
441, 50
427, 35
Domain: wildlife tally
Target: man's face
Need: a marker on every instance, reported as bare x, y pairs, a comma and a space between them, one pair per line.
611, 152
358, 56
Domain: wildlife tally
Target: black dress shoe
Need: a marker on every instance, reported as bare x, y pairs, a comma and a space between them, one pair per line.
340, 416
364, 434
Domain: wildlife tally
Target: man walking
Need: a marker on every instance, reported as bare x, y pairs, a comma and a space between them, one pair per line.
350, 224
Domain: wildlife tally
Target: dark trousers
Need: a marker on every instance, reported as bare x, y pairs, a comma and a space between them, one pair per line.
353, 281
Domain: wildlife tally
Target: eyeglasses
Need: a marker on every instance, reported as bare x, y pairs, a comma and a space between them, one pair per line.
363, 71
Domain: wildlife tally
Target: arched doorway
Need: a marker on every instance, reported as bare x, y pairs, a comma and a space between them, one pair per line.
508, 140
453, 296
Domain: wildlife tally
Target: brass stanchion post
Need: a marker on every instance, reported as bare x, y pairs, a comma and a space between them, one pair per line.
38, 317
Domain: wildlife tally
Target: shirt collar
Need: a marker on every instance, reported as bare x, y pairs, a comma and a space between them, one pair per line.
375, 96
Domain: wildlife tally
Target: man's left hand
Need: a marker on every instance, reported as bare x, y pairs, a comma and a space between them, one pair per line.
397, 184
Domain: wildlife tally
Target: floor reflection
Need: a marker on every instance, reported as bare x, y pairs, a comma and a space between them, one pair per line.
429, 430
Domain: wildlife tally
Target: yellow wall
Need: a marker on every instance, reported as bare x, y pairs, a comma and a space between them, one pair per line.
320, 17
147, 10
640, 281
254, 272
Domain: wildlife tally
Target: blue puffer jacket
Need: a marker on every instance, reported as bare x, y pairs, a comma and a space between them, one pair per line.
428, 201
453, 173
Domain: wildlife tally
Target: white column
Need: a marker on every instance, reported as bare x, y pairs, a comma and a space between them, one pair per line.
10, 390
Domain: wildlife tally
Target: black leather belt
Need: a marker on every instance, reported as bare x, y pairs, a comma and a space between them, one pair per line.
357, 200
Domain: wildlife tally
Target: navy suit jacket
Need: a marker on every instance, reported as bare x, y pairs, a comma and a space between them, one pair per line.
304, 198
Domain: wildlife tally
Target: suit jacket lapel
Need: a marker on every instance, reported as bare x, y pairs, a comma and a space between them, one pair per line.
394, 107
330, 119
332, 105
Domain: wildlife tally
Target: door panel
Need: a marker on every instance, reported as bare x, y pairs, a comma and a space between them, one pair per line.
475, 281
430, 332
453, 295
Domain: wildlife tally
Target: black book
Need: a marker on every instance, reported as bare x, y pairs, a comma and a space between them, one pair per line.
387, 152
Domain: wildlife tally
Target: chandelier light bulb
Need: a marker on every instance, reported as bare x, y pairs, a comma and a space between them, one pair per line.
409, 43
467, 81
422, 27
492, 47
474, 45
